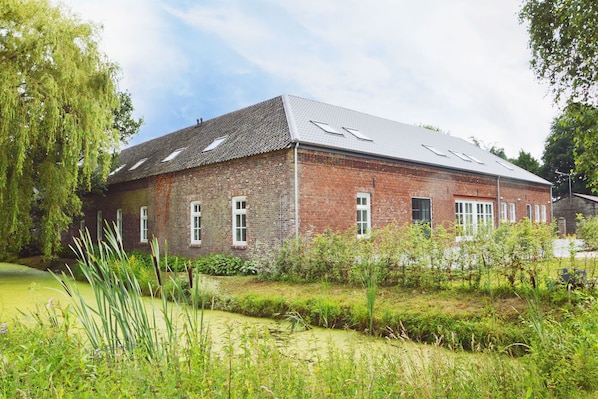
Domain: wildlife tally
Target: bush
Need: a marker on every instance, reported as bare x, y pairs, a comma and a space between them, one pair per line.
587, 230
223, 265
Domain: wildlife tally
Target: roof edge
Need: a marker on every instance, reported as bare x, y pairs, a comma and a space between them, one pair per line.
288, 111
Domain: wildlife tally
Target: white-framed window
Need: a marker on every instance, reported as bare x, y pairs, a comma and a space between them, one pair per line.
503, 212
537, 213
119, 223
195, 222
100, 226
543, 218
512, 214
363, 214
528, 211
239, 221
143, 225
472, 215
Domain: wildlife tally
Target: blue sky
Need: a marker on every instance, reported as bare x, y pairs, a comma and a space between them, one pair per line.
460, 65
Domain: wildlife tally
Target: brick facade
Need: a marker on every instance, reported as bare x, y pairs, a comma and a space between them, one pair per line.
265, 180
328, 185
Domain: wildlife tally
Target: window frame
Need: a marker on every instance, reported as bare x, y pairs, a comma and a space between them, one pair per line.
543, 214
143, 224
512, 212
239, 225
472, 215
429, 211
504, 212
99, 226
364, 227
194, 228
119, 223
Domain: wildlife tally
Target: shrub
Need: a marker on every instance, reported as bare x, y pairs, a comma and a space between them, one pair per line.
223, 265
587, 230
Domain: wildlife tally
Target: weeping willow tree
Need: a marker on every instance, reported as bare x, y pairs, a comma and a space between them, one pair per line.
57, 96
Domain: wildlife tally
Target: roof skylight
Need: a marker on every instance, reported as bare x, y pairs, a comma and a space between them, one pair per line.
117, 169
173, 154
215, 143
327, 128
461, 155
358, 134
435, 150
474, 159
138, 164
505, 165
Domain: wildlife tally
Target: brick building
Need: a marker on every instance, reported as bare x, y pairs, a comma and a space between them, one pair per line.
289, 166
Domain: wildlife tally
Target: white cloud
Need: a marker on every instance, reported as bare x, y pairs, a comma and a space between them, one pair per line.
459, 65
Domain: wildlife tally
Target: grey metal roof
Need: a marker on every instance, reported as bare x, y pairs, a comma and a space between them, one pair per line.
587, 197
282, 121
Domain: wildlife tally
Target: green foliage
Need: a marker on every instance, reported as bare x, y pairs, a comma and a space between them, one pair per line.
413, 256
525, 160
223, 265
42, 361
564, 50
565, 351
584, 120
587, 230
56, 95
560, 150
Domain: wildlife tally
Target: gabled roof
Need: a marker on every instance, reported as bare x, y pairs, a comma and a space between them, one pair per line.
286, 120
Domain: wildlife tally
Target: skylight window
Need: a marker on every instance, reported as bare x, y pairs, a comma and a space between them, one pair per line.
138, 164
215, 143
505, 165
461, 155
117, 169
474, 159
327, 128
435, 150
358, 134
173, 154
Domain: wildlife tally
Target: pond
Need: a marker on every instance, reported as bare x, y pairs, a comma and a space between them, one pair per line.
24, 290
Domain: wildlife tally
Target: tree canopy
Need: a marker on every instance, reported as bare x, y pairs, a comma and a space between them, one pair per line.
57, 97
563, 37
559, 156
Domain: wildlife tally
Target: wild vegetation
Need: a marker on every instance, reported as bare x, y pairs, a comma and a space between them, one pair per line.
128, 350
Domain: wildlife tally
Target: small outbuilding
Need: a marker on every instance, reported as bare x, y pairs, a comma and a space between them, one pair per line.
290, 166
566, 209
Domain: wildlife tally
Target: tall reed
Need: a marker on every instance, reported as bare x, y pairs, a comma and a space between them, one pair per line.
120, 322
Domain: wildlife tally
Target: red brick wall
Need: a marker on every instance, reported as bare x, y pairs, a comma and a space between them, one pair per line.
266, 181
329, 184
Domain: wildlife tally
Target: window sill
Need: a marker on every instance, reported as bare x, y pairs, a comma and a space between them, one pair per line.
239, 246
195, 245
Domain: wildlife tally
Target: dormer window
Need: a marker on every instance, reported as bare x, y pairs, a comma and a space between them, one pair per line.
138, 164
215, 143
358, 134
327, 128
173, 154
